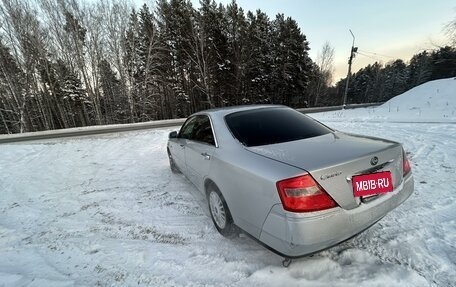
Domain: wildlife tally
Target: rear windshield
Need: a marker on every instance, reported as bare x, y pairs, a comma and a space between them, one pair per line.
272, 125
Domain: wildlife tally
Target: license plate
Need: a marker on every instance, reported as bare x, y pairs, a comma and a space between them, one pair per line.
373, 183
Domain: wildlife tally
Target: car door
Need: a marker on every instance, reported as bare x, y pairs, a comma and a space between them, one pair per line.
199, 150
178, 144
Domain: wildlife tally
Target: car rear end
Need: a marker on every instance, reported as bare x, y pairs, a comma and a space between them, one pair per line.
324, 208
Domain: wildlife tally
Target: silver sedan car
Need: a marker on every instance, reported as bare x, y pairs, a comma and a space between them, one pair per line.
287, 180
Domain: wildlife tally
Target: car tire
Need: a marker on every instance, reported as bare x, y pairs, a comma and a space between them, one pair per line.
220, 213
172, 164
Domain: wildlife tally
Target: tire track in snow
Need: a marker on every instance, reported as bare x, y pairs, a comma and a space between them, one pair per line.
97, 216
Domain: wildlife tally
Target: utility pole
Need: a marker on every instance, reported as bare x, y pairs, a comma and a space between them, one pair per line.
350, 60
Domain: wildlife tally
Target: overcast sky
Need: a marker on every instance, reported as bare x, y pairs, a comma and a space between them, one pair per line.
390, 28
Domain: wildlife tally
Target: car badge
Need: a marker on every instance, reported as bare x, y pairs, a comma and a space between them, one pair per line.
331, 175
374, 160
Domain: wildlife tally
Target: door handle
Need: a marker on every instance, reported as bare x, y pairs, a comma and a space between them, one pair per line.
181, 145
206, 156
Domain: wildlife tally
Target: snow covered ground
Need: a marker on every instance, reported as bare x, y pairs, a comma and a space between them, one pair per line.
107, 211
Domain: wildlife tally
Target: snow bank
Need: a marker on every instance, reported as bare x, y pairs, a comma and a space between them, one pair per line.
433, 101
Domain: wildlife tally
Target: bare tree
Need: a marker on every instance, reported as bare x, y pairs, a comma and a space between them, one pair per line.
450, 31
325, 61
25, 38
115, 16
199, 57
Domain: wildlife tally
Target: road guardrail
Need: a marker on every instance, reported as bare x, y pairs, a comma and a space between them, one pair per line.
93, 130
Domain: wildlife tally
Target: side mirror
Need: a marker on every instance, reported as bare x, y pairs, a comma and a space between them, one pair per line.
173, 135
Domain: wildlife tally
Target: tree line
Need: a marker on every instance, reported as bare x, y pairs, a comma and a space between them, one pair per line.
379, 83
70, 63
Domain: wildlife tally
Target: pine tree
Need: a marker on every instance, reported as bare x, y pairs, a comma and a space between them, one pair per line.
212, 35
291, 62
395, 79
150, 103
419, 69
174, 21
260, 59
114, 104
443, 63
74, 96
367, 84
238, 56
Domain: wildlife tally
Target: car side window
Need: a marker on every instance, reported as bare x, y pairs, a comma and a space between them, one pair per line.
198, 129
202, 131
187, 129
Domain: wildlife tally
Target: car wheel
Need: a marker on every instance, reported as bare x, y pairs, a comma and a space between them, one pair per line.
220, 213
172, 164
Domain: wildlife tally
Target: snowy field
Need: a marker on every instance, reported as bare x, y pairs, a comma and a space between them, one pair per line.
107, 211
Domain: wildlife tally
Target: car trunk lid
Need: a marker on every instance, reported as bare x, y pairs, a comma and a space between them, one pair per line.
333, 159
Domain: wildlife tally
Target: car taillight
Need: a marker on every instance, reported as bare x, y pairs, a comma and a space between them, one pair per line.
405, 163
303, 194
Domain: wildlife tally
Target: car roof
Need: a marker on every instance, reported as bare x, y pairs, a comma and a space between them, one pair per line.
221, 112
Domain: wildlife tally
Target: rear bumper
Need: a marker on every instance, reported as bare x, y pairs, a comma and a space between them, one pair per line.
298, 234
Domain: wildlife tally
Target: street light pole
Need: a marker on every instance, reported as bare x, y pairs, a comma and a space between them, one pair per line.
350, 60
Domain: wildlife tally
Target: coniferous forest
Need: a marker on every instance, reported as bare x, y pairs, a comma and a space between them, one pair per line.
69, 63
